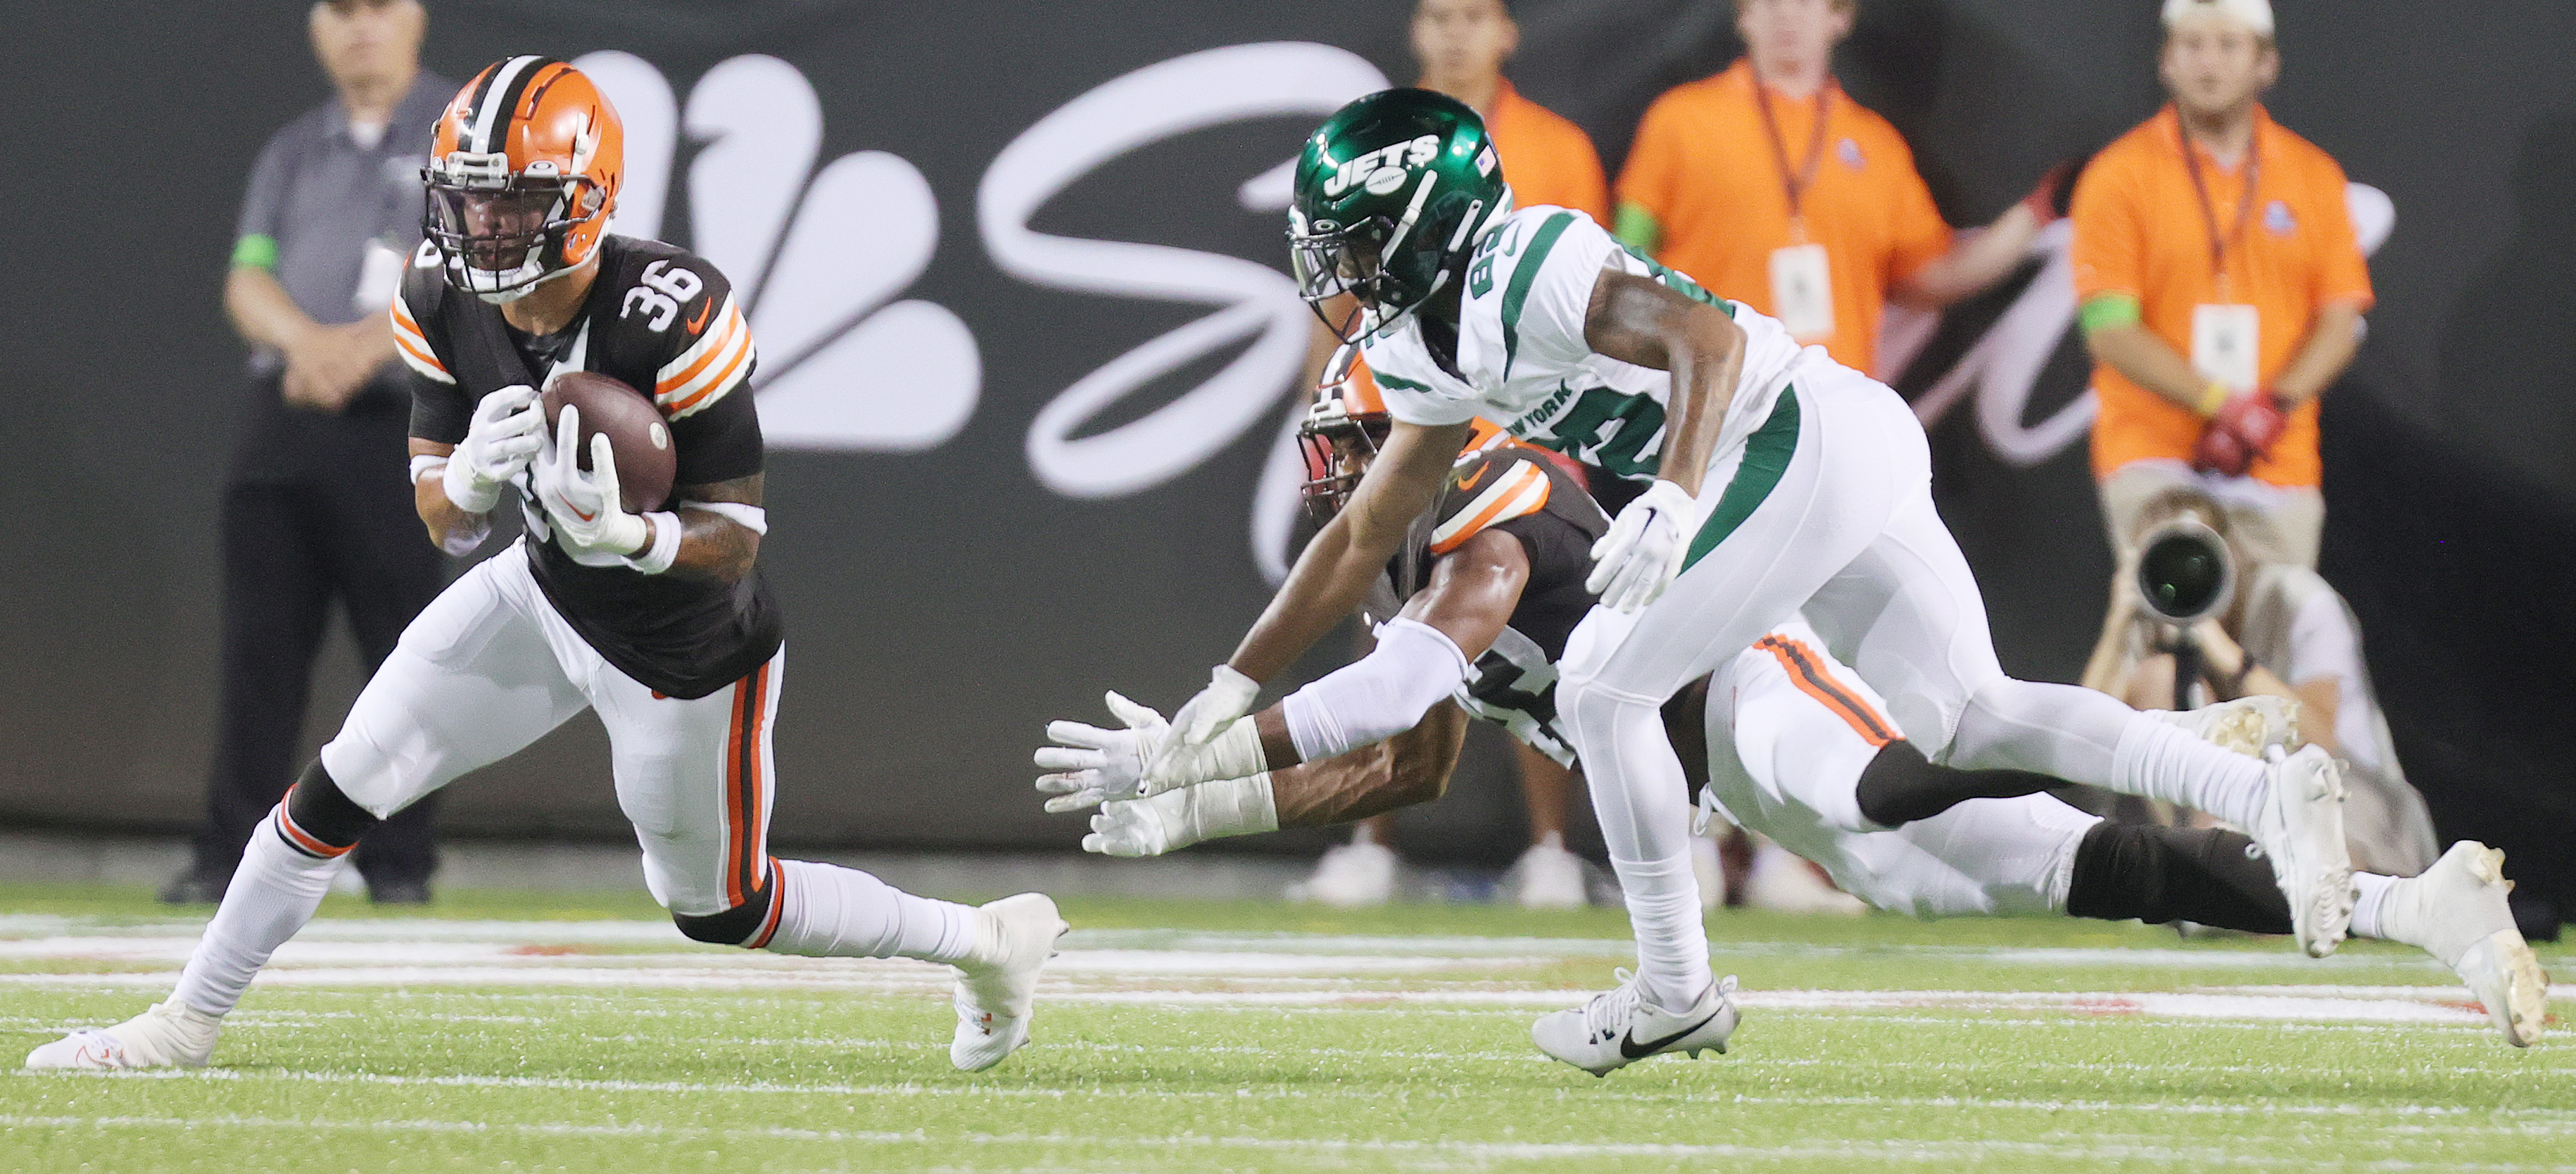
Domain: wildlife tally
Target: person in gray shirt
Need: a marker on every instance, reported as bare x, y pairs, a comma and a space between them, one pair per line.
318, 505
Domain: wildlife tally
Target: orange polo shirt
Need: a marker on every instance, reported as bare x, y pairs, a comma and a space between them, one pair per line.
1704, 167
1546, 159
2140, 230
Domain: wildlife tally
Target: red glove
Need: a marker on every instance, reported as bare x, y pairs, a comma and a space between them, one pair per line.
2242, 429
2048, 201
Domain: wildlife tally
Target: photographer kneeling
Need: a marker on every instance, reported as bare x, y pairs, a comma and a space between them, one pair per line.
2194, 621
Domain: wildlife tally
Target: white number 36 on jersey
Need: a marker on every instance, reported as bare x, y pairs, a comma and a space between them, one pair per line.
662, 292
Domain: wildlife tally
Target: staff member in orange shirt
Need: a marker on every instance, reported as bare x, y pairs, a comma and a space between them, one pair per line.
1462, 45
2221, 291
1770, 186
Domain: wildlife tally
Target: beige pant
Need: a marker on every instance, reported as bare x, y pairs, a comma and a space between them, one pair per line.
2270, 523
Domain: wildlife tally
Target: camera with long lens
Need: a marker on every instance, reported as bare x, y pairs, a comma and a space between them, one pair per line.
2184, 576
2184, 573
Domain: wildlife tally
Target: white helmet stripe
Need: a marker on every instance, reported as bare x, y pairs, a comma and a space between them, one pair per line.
493, 120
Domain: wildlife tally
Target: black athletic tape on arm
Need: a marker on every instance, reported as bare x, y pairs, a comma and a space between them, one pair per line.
318, 807
734, 926
2159, 874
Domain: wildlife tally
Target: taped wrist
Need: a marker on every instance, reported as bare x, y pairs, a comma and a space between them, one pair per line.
470, 493
1235, 753
665, 548
1228, 807
1384, 694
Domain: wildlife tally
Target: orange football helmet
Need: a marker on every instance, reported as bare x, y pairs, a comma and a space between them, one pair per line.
523, 173
1341, 434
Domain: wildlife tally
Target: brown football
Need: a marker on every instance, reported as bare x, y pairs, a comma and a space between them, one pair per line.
646, 462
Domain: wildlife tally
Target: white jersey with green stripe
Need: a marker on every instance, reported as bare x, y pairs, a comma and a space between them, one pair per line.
1523, 362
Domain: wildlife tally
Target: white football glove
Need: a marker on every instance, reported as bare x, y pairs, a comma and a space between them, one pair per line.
506, 432
1095, 764
1229, 696
1177, 819
1637, 559
588, 517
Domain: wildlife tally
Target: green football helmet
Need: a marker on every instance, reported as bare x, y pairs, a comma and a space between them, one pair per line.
1392, 192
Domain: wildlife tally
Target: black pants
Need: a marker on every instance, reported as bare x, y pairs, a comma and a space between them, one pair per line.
320, 510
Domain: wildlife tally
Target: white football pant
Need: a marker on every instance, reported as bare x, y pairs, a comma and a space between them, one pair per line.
490, 667
1789, 732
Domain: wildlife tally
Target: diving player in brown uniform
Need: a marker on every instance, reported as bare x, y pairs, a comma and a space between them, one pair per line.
659, 622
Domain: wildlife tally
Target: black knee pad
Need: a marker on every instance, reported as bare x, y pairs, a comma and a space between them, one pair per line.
318, 809
733, 927
2158, 874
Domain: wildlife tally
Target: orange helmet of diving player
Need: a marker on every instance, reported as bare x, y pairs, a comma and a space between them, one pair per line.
1341, 434
523, 173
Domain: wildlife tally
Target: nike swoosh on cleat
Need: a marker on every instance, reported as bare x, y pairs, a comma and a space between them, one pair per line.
1631, 1049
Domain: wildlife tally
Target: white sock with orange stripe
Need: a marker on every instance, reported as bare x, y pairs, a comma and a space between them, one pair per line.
273, 893
827, 911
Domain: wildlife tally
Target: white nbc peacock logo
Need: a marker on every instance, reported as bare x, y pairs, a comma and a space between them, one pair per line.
816, 253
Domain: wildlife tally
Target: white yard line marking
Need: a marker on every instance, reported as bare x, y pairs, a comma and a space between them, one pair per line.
1911, 1152
2515, 1116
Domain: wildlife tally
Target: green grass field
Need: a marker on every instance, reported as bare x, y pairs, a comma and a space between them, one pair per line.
526, 1032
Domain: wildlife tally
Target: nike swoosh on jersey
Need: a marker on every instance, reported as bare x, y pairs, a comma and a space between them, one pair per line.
1630, 1048
1465, 483
699, 322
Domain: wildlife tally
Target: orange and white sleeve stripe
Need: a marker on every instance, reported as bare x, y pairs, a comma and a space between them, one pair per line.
712, 366
1519, 492
414, 347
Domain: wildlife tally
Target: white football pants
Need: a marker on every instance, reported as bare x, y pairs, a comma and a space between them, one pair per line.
1789, 732
1827, 510
490, 667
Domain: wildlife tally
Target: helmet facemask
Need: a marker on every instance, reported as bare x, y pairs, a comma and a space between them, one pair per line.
1339, 439
501, 233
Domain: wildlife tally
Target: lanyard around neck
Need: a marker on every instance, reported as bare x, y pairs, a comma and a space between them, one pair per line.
1795, 183
2209, 211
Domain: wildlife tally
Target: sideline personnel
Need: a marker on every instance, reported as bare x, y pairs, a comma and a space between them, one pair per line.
318, 505
2221, 291
1769, 183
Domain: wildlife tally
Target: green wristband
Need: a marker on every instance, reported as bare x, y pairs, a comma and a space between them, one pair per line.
2102, 311
256, 251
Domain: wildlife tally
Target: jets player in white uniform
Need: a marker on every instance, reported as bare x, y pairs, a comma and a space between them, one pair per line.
1776, 481
1791, 744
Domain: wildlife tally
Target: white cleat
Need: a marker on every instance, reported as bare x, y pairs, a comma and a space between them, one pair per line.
1549, 877
1619, 1027
169, 1034
1356, 874
996, 986
2458, 913
2301, 829
2247, 725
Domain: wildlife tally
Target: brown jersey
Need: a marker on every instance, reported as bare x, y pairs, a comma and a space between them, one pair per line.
665, 322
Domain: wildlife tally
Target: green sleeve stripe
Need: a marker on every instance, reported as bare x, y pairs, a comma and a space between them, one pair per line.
2102, 311
1524, 275
1637, 228
1766, 458
256, 251
1394, 381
